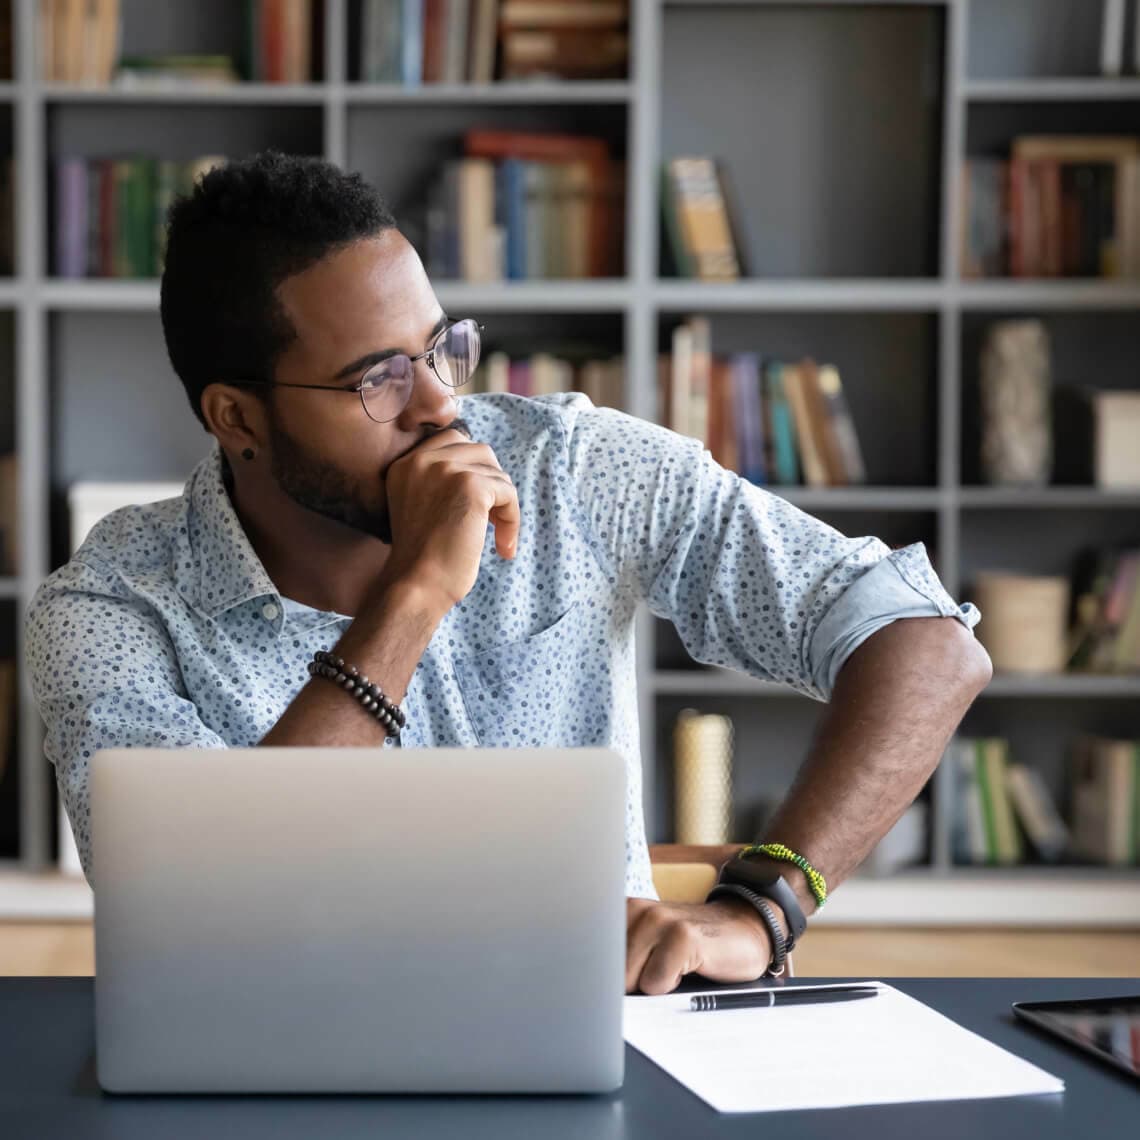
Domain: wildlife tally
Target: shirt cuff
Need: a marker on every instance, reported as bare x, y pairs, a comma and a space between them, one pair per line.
902, 585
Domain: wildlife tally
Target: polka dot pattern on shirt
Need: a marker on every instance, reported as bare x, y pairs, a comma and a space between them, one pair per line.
164, 629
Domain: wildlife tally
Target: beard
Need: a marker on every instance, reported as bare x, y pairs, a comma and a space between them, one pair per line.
319, 486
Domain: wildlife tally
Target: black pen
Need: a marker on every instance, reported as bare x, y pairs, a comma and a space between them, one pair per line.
770, 998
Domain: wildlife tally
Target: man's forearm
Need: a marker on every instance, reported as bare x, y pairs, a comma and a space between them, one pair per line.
385, 642
897, 701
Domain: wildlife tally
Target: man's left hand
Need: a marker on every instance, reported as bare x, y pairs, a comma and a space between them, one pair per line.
724, 941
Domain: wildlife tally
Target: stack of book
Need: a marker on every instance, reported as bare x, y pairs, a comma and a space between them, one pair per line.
173, 71
767, 419
703, 234
476, 41
1060, 206
79, 40
990, 795
285, 40
110, 213
1002, 810
544, 373
524, 206
1105, 637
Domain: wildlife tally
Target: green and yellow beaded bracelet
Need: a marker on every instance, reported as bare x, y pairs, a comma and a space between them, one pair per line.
779, 851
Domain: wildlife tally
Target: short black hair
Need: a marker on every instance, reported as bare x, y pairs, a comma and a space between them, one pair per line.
244, 228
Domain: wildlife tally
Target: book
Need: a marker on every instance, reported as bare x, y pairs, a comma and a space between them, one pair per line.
110, 214
381, 44
700, 372
967, 829
1008, 847
745, 371
412, 32
455, 15
841, 425
563, 13
985, 798
285, 39
476, 220
1037, 812
786, 458
827, 443
481, 56
596, 179
71, 218
1112, 37
702, 219
681, 380
1103, 800
814, 467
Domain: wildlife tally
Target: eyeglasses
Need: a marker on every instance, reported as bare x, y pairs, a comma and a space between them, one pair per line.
386, 387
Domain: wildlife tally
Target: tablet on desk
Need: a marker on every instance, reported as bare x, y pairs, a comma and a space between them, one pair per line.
1108, 1028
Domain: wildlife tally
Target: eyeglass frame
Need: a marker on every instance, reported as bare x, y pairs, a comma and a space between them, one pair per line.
358, 388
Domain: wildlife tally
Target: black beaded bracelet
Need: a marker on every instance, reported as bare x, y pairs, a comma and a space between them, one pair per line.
371, 696
775, 930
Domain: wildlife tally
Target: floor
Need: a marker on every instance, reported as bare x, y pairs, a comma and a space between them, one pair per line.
33, 948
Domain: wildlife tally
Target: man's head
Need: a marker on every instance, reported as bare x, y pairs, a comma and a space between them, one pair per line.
288, 270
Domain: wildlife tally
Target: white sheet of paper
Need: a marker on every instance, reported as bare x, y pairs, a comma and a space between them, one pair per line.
882, 1050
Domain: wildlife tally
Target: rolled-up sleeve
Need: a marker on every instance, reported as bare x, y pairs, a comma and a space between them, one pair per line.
749, 581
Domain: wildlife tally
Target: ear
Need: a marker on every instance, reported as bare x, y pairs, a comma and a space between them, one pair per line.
236, 416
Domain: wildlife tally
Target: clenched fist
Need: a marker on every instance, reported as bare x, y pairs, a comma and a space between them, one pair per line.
441, 497
724, 941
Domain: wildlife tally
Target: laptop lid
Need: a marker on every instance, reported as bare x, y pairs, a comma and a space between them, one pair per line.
359, 920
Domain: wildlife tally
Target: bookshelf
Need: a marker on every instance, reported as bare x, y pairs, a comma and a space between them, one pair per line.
874, 105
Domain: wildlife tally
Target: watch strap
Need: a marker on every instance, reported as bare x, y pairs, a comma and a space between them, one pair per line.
774, 888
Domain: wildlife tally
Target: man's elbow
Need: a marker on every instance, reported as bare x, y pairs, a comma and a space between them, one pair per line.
970, 664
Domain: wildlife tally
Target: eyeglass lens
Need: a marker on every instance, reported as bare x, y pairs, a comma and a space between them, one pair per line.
453, 356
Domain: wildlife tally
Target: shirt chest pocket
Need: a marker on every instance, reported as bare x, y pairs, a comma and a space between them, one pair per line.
539, 690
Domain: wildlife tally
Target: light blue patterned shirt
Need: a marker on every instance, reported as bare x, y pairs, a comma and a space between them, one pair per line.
165, 630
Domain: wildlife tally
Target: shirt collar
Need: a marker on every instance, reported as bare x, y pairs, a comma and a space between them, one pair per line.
222, 569
217, 567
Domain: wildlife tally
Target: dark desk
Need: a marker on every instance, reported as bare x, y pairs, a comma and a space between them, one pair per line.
48, 1088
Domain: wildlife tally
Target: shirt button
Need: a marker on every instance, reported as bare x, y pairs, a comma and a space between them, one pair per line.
269, 611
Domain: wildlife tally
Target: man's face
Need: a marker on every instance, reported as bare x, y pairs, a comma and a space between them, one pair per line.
370, 299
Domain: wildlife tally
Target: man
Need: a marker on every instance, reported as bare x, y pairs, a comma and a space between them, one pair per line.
346, 506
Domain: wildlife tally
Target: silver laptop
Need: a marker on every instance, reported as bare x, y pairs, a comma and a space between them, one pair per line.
359, 920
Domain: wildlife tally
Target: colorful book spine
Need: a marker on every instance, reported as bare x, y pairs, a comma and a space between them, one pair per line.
71, 217
513, 184
746, 378
787, 468
412, 53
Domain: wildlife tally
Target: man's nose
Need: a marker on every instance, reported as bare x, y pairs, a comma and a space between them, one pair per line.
431, 401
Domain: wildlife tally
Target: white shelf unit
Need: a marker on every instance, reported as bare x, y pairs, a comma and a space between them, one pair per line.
924, 305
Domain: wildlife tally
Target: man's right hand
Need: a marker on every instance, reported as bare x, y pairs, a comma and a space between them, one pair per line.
441, 496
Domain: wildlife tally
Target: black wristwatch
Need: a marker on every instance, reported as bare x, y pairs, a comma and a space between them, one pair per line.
766, 881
